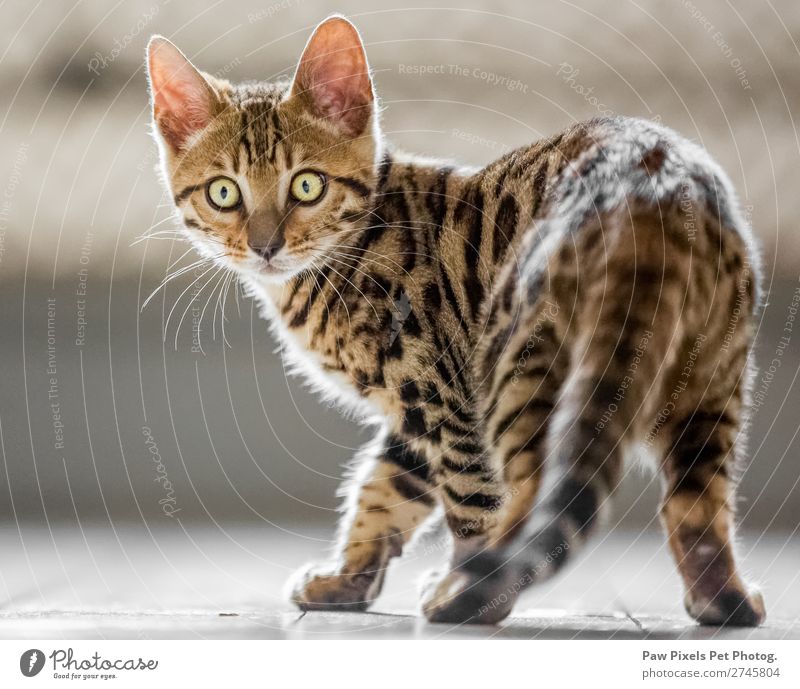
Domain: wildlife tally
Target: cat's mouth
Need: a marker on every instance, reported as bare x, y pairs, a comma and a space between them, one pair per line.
273, 269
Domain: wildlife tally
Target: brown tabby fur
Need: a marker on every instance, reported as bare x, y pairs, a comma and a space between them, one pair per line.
576, 298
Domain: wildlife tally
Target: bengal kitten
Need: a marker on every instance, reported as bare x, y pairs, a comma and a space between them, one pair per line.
518, 329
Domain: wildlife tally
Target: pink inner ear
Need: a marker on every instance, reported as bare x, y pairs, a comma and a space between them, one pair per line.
183, 101
333, 76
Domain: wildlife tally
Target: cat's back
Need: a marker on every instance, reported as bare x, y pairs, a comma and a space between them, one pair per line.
575, 182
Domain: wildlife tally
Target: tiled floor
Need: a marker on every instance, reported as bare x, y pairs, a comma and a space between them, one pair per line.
198, 582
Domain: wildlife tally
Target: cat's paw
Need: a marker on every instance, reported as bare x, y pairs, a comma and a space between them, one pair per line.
474, 595
327, 587
731, 607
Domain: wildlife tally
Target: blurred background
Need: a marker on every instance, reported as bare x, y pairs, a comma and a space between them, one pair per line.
112, 414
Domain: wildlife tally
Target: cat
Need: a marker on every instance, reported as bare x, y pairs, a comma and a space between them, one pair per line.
517, 329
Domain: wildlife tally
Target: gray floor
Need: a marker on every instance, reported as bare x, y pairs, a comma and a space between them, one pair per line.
200, 582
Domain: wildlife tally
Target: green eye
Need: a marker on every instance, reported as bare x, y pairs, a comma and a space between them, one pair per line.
223, 193
307, 186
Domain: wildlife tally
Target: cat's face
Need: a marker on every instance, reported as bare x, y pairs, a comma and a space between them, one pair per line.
270, 179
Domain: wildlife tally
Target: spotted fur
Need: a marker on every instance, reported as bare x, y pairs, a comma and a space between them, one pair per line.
565, 304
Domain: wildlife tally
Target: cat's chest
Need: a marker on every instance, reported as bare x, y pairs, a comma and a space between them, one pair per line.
340, 347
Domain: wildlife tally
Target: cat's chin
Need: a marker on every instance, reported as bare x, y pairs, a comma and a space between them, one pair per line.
272, 274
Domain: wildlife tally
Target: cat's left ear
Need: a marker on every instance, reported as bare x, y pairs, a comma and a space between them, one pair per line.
332, 77
184, 102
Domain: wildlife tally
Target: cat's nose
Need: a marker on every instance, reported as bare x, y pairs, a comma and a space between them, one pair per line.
268, 248
265, 233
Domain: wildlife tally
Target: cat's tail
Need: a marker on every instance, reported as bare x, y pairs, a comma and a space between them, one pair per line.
629, 325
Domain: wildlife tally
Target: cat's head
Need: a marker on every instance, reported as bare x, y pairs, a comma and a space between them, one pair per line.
270, 177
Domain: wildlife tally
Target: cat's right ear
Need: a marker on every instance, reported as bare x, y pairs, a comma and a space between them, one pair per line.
184, 102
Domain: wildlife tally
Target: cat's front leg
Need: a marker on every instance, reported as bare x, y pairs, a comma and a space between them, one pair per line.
387, 501
473, 492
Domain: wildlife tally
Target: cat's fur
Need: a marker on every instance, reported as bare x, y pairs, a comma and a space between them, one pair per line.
518, 329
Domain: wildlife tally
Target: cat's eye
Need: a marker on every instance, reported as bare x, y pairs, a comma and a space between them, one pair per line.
223, 194
307, 186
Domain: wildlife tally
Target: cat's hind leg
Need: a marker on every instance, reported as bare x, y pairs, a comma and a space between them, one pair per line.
388, 499
703, 443
697, 514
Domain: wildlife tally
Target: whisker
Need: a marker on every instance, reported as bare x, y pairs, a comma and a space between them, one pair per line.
180, 296
176, 274
189, 304
222, 302
180, 258
220, 282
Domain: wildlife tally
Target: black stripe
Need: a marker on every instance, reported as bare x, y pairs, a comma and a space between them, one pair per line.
477, 499
688, 482
535, 404
384, 170
453, 428
448, 367
357, 186
696, 452
411, 326
450, 296
473, 467
409, 392
436, 198
399, 454
353, 215
467, 447
276, 136
508, 162
244, 141
409, 243
472, 253
539, 182
412, 490
462, 414
395, 350
186, 192
372, 235
505, 226
414, 422
432, 297
304, 312
432, 395
409, 253
298, 283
